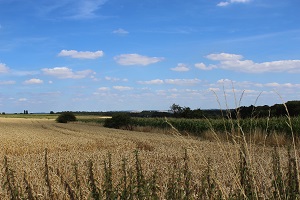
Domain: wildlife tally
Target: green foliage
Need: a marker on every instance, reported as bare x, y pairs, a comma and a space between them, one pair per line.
119, 120
186, 112
198, 126
66, 117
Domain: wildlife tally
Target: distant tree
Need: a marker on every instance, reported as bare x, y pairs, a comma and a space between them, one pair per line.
185, 112
66, 117
3, 113
176, 109
293, 107
119, 120
197, 113
51, 112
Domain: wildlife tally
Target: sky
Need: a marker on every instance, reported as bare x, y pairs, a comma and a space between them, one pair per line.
104, 55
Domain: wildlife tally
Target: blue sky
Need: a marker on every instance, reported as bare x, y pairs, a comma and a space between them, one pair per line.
99, 55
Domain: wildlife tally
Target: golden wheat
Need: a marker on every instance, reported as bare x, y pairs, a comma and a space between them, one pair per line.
24, 141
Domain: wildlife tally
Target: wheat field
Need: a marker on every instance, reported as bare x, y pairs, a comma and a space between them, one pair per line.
24, 142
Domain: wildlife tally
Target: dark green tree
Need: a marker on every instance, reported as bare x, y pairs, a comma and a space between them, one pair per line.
66, 117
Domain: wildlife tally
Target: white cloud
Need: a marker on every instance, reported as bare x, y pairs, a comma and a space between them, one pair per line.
183, 81
7, 82
281, 85
214, 89
136, 59
65, 72
272, 84
22, 99
235, 63
122, 88
224, 56
223, 3
180, 68
226, 3
120, 31
239, 1
115, 79
202, 66
152, 82
81, 54
33, 81
225, 81
103, 89
3, 68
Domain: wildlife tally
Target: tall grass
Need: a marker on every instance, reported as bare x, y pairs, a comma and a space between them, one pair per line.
135, 184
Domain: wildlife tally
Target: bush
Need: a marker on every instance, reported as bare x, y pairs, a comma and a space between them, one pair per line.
66, 117
120, 120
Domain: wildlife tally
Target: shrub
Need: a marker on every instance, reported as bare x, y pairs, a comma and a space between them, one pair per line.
120, 120
66, 117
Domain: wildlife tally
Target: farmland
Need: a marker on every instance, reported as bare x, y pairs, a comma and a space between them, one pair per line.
43, 159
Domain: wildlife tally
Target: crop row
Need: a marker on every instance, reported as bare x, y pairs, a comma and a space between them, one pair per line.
199, 126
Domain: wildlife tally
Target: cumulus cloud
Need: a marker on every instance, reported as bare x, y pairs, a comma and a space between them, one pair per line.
225, 81
202, 66
136, 59
81, 54
180, 68
33, 81
223, 3
172, 81
183, 81
152, 82
226, 3
235, 62
224, 57
249, 84
3, 68
103, 89
65, 73
120, 31
122, 88
114, 79
22, 99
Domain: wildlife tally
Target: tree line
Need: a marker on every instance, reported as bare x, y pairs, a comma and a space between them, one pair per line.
177, 111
